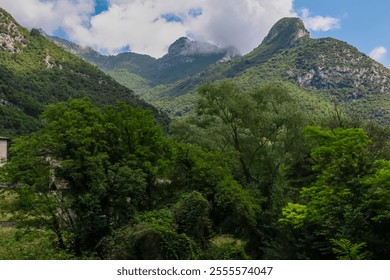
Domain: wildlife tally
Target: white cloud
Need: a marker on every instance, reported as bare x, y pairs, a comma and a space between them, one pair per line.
319, 23
139, 24
241, 23
379, 53
49, 14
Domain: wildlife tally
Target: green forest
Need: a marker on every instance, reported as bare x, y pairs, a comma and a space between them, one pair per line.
247, 175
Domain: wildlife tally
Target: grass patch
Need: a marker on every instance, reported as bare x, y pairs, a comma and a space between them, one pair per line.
17, 244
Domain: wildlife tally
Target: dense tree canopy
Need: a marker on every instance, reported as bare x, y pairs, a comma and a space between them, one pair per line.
244, 177
343, 213
91, 175
95, 165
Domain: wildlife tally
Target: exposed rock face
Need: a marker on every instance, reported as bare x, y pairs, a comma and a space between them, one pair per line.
331, 64
373, 78
48, 63
11, 39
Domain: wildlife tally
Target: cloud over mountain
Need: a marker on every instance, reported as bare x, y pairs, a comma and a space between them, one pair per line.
150, 26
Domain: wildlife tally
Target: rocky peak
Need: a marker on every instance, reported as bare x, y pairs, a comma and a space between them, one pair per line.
11, 39
179, 45
286, 32
187, 47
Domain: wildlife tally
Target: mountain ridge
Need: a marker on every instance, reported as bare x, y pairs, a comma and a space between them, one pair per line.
185, 57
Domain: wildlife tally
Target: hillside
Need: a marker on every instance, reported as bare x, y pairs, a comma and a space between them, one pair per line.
35, 72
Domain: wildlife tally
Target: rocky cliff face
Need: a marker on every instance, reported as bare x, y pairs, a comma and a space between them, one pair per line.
11, 39
331, 64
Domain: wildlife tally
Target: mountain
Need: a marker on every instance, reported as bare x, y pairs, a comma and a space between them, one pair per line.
325, 69
185, 58
35, 72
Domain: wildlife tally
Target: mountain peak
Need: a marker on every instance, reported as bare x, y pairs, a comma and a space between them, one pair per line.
186, 46
179, 45
286, 32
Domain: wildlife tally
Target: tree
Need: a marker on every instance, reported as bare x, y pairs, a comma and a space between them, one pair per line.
151, 236
88, 171
262, 126
234, 209
259, 134
340, 212
192, 217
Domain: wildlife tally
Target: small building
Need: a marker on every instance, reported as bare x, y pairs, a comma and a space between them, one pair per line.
3, 149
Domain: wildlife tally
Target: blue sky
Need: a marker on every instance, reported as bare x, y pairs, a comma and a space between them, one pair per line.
101, 6
150, 26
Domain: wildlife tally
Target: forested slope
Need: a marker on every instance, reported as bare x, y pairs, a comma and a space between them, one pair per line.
35, 72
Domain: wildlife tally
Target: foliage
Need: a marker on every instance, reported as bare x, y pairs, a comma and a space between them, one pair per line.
18, 244
97, 167
192, 217
234, 208
93, 176
338, 213
345, 250
241, 179
258, 133
226, 248
150, 237
294, 214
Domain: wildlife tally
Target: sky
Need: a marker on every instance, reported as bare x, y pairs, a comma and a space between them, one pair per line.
150, 26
